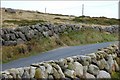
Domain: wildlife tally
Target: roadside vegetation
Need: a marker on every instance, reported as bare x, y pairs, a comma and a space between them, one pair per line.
39, 45
116, 74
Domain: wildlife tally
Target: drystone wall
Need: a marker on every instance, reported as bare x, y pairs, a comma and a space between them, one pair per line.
10, 36
91, 66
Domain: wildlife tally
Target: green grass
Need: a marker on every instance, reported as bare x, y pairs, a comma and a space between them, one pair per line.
88, 36
115, 75
28, 49
39, 45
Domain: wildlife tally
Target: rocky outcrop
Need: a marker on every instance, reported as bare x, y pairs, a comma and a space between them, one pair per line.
94, 65
9, 10
22, 34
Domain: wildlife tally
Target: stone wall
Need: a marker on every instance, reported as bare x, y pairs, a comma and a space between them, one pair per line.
10, 36
94, 65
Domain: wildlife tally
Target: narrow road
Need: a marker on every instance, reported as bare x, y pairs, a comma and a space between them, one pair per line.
56, 54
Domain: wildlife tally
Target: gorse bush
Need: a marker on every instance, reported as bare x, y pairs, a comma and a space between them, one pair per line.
57, 18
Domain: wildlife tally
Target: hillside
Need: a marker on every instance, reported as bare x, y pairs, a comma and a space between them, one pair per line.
9, 16
16, 17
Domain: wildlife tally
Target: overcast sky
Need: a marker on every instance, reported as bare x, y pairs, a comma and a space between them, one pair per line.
91, 8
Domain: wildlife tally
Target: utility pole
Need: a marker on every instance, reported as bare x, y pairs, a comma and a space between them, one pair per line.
45, 10
82, 9
83, 13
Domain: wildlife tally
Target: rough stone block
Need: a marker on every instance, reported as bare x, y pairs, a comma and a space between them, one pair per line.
22, 36
8, 43
103, 74
93, 69
19, 41
12, 37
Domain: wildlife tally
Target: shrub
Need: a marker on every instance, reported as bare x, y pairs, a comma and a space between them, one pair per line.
57, 18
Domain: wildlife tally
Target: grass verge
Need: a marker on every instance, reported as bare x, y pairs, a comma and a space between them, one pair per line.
116, 74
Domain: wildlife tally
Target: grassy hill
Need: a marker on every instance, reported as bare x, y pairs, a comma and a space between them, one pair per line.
13, 19
16, 17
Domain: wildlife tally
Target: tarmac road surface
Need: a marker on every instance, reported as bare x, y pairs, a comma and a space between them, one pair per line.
56, 54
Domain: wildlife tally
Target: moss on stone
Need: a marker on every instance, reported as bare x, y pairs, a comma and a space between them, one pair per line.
38, 74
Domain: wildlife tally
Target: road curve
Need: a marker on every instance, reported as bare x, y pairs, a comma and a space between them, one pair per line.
56, 54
